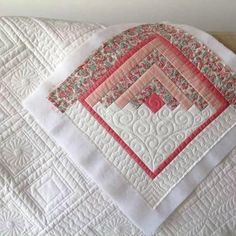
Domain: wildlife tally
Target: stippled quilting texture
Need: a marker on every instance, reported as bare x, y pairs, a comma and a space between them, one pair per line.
31, 163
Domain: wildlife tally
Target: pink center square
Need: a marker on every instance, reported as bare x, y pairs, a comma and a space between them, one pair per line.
154, 102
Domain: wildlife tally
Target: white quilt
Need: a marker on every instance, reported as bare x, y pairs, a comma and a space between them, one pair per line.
41, 191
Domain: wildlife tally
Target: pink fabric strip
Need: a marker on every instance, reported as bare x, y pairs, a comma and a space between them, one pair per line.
191, 76
107, 85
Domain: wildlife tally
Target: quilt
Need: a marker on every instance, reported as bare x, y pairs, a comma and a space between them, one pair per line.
42, 190
146, 110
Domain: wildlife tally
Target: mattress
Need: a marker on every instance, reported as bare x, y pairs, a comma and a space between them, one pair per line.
42, 192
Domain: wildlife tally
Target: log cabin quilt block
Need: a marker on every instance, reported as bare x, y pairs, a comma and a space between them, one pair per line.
146, 110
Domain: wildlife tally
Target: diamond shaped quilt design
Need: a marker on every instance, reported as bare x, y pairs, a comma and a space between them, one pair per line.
147, 110
148, 68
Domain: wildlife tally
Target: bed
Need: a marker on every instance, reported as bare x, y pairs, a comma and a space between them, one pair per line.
42, 191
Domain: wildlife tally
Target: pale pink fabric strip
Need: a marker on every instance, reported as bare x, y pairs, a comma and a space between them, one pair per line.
107, 85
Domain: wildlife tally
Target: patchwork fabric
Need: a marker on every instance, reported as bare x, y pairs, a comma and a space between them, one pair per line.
119, 71
143, 114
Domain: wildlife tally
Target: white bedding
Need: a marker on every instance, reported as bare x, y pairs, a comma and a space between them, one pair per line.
31, 164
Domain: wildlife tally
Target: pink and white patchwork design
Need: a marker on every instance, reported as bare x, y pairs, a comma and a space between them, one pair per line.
153, 72
143, 111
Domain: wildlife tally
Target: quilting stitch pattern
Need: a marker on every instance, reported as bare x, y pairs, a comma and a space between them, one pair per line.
166, 144
30, 49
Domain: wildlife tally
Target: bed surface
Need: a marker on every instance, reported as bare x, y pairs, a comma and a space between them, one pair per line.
30, 49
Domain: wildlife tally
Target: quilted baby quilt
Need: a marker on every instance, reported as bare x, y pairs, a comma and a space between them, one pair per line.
145, 110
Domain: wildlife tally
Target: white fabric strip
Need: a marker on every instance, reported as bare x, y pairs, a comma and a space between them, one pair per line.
86, 155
